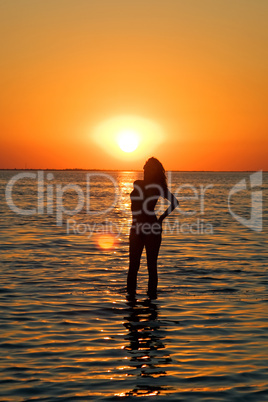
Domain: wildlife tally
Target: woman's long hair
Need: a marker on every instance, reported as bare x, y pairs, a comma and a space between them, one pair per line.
154, 172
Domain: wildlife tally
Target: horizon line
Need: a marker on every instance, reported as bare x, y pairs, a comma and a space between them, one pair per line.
130, 170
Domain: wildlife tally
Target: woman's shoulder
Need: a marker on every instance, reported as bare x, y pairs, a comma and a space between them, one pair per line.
138, 188
138, 183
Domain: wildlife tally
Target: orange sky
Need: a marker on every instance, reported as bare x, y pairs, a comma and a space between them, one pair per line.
198, 69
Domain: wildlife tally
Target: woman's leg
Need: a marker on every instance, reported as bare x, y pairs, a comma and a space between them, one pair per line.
136, 244
152, 245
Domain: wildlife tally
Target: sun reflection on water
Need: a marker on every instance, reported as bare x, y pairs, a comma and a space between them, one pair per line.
68, 332
145, 346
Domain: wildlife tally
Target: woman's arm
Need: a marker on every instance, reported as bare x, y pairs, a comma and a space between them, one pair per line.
173, 204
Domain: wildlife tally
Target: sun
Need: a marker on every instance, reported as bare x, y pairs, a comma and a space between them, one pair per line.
127, 137
128, 140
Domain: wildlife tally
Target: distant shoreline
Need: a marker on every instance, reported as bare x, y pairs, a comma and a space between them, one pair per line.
130, 170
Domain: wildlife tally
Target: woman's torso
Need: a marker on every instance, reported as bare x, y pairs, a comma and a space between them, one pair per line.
143, 201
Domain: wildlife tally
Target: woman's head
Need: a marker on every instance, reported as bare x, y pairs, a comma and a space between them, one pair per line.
154, 172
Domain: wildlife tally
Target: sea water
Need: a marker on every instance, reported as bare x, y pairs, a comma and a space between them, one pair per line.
68, 331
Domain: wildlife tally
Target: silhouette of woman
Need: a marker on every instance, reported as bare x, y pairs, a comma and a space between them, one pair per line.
146, 229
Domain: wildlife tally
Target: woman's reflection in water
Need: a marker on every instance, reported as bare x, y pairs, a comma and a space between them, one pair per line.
146, 347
